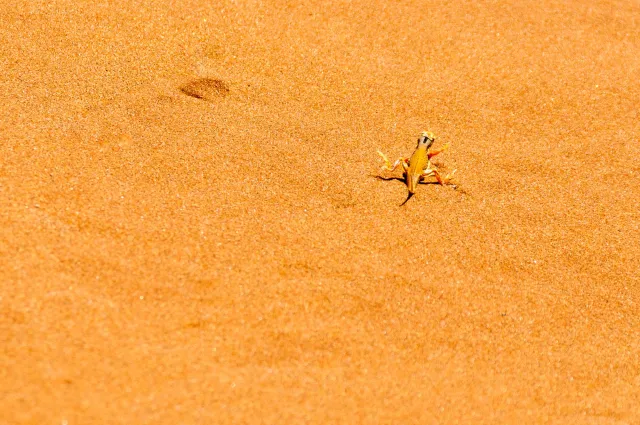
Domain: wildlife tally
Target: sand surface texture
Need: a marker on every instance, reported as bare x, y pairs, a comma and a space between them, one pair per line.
192, 230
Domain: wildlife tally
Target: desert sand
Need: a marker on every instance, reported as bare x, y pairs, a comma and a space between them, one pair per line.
193, 231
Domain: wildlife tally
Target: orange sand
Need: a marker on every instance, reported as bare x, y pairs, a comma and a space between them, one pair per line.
177, 250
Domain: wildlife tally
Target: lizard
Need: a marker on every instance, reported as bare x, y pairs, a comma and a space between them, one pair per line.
419, 166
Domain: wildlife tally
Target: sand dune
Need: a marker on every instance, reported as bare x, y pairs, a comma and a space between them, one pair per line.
192, 230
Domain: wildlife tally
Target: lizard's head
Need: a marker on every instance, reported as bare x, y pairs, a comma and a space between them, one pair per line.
426, 139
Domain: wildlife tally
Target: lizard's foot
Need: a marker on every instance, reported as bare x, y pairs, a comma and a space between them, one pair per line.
387, 164
436, 152
449, 177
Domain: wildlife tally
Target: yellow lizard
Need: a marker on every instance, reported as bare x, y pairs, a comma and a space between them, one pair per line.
419, 166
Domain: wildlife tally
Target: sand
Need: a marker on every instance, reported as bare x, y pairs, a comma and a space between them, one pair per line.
192, 230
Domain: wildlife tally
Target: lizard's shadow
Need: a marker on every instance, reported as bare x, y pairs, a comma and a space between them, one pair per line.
455, 187
403, 180
400, 179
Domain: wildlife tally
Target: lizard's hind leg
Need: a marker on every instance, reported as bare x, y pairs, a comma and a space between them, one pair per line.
442, 180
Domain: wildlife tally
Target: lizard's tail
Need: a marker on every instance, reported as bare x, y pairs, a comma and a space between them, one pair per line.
408, 197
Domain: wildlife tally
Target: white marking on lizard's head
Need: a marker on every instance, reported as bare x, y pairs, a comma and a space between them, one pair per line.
426, 139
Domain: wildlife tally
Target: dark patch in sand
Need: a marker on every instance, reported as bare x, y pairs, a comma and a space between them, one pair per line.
206, 89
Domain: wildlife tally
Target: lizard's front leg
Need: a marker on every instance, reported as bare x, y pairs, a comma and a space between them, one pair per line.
436, 152
387, 164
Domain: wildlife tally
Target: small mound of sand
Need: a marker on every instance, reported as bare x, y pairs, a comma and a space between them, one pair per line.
206, 89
